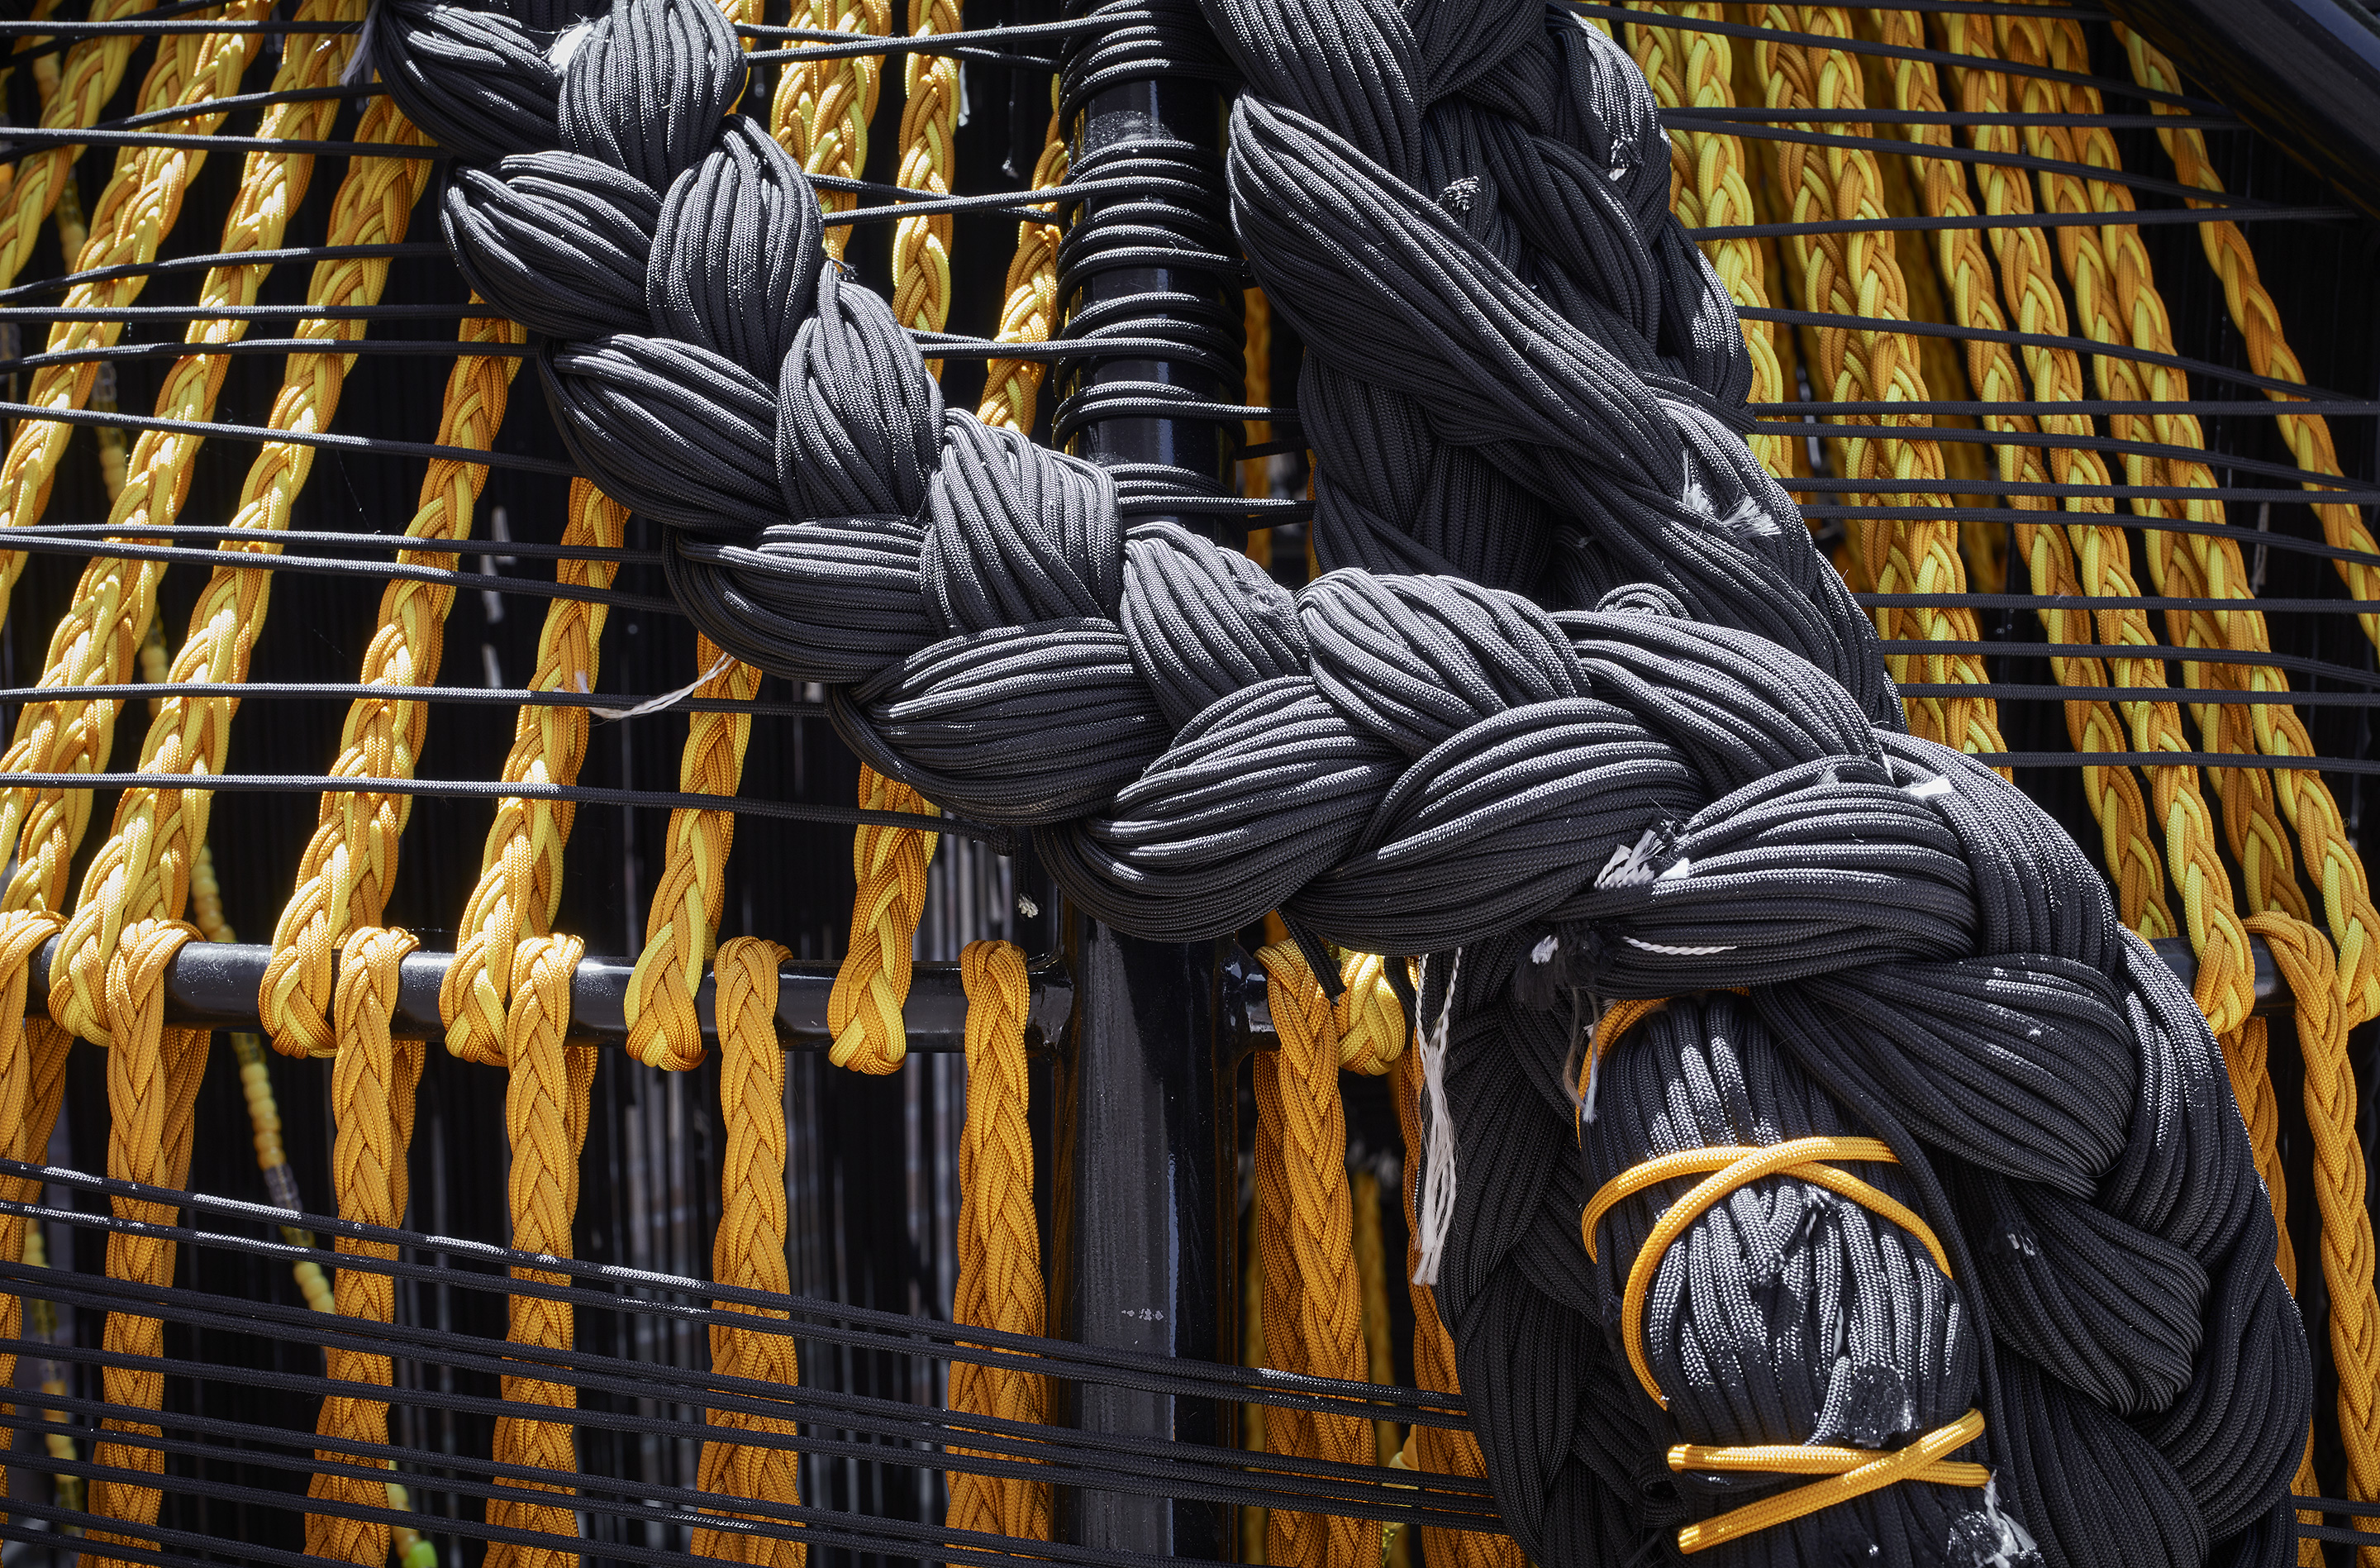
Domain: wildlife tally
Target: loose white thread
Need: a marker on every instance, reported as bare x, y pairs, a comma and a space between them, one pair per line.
1631, 864
667, 699
1438, 1173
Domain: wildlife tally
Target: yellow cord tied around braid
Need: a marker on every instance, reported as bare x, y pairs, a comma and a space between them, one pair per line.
545, 1123
749, 1253
999, 1238
872, 982
373, 1084
152, 1086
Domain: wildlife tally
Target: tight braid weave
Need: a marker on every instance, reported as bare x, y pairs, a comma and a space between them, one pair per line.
1577, 707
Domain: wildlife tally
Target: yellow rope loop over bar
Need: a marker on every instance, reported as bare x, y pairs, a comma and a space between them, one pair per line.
94, 69
929, 123
350, 863
33, 1081
2259, 320
663, 1028
1434, 1450
2226, 984
820, 112
1688, 68
872, 982
545, 1123
143, 871
2198, 565
96, 641
1861, 1472
520, 875
2347, 1252
1010, 387
998, 1238
371, 1101
137, 209
1857, 275
1305, 1225
749, 1252
1369, 1020
152, 1086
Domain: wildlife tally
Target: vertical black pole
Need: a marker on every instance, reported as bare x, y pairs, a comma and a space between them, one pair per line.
1147, 1172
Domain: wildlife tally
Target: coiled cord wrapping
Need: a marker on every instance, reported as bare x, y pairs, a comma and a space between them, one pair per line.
1580, 705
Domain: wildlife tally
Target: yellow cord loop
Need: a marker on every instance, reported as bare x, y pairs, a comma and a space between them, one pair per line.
872, 982
751, 1250
663, 1028
1853, 1473
822, 111
545, 1123
94, 69
152, 1086
999, 1238
371, 1100
350, 863
520, 876
1306, 1224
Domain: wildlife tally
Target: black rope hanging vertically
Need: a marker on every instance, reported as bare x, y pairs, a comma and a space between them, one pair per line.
1581, 714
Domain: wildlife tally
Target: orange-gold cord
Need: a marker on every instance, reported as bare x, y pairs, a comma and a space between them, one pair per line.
1862, 1473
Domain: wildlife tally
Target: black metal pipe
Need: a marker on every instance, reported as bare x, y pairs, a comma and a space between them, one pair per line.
2304, 73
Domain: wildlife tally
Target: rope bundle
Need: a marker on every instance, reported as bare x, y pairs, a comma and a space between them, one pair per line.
1581, 705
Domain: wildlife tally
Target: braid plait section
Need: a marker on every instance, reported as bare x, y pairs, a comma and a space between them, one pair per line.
1579, 704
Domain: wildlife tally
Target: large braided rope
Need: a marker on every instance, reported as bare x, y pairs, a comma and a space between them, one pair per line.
546, 1095
822, 109
33, 1082
999, 1238
92, 70
153, 1086
371, 1102
1523, 389
749, 1252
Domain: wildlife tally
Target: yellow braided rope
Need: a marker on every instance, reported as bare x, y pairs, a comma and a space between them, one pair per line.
1312, 1295
872, 982
545, 1122
1010, 387
999, 1238
751, 1250
152, 1084
663, 1028
372, 1099
520, 875
820, 112
32, 1080
1857, 275
2259, 320
929, 123
350, 863
87, 80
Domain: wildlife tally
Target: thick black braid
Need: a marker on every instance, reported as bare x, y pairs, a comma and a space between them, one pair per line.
1585, 709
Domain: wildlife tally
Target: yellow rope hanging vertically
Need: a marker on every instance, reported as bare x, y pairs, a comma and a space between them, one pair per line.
349, 866
872, 982
520, 872
545, 1124
998, 1236
33, 1081
371, 1101
1010, 387
821, 110
663, 1028
751, 1250
152, 1086
929, 123
87, 80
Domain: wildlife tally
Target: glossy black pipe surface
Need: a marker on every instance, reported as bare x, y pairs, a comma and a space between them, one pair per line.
2304, 73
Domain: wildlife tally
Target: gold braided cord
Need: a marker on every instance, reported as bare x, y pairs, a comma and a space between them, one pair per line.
153, 1086
371, 1099
929, 123
1857, 275
1690, 68
998, 1236
520, 872
96, 642
2259, 320
546, 1097
33, 1081
872, 982
749, 1252
1305, 1230
820, 112
2196, 565
350, 862
1010, 387
86, 81
663, 1028
143, 871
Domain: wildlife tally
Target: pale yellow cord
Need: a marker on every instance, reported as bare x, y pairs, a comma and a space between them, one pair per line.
87, 80
822, 111
871, 984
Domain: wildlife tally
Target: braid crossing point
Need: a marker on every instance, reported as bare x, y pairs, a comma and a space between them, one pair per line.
1577, 707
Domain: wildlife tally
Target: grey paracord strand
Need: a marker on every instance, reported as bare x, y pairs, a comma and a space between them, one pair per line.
1582, 701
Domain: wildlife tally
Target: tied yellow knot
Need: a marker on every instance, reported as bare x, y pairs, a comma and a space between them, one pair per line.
872, 983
